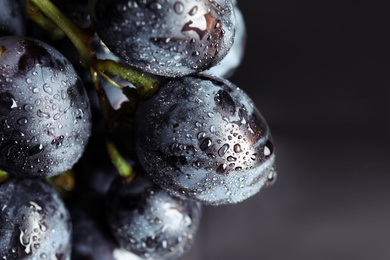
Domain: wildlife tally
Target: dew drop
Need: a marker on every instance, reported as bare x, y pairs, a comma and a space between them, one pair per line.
231, 159
221, 168
178, 7
201, 135
40, 113
237, 148
28, 108
57, 116
22, 121
47, 88
222, 151
206, 143
193, 11
37, 149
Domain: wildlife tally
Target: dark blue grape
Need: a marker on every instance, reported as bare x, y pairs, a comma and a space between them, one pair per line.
203, 138
45, 118
12, 18
34, 222
228, 66
150, 223
167, 38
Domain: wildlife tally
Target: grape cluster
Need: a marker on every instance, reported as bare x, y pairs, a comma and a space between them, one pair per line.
118, 122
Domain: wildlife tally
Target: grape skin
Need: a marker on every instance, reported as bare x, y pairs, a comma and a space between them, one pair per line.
166, 38
202, 138
44, 109
34, 221
150, 223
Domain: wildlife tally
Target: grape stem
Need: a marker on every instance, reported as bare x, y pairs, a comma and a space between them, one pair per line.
124, 169
3, 175
64, 183
81, 39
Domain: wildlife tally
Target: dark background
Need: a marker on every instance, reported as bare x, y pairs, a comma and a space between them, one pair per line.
319, 73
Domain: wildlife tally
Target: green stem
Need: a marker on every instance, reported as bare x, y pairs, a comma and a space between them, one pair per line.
63, 183
146, 86
124, 169
3, 175
37, 16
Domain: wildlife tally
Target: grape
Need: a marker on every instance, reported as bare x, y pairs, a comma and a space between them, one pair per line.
34, 222
44, 110
150, 223
166, 38
12, 19
202, 138
227, 67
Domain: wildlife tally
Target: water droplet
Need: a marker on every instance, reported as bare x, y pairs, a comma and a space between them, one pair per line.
178, 7
63, 94
47, 88
22, 121
37, 149
237, 148
57, 116
193, 11
28, 108
221, 168
40, 113
201, 135
231, 159
225, 102
206, 143
222, 151
196, 164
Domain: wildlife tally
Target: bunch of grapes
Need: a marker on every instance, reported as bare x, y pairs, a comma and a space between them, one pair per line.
118, 123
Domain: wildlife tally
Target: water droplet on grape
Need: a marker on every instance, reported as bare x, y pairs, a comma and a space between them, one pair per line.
222, 151
47, 88
237, 148
178, 7
206, 143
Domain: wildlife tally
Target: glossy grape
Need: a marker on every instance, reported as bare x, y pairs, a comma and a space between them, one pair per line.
34, 222
167, 38
228, 66
150, 223
44, 110
202, 138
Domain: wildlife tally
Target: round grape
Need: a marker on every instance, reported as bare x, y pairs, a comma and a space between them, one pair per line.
34, 222
150, 223
166, 38
45, 118
202, 138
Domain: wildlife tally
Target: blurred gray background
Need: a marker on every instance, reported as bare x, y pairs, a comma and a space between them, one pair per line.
319, 73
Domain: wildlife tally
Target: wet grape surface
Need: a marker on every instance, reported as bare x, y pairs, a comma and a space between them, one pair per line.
203, 138
44, 109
